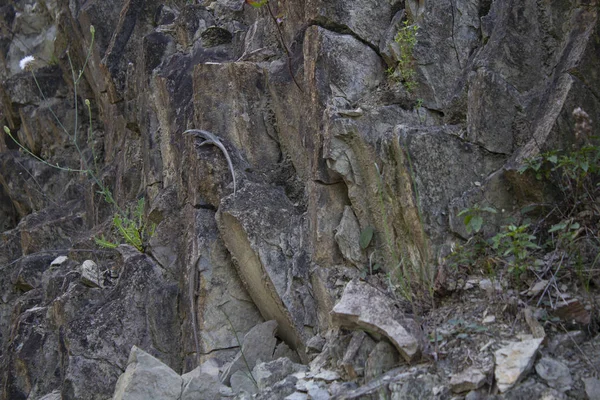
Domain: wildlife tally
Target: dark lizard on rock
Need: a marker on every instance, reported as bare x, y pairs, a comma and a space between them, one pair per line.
210, 138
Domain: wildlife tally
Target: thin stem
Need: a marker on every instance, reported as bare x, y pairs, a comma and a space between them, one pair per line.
26, 150
241, 348
287, 51
58, 121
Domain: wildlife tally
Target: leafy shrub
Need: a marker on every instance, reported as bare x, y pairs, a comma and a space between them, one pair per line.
404, 70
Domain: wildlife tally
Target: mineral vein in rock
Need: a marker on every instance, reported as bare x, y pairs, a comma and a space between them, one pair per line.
210, 138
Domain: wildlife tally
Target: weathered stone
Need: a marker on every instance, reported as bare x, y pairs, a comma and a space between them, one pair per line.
514, 361
267, 374
146, 377
356, 354
382, 358
420, 387
315, 344
469, 379
317, 391
279, 390
211, 278
55, 395
328, 203
91, 275
266, 237
367, 20
347, 237
492, 132
365, 307
322, 126
202, 383
555, 373
258, 345
297, 396
242, 381
283, 350
537, 330
592, 388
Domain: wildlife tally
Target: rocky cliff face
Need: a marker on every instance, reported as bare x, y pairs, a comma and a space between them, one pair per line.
324, 144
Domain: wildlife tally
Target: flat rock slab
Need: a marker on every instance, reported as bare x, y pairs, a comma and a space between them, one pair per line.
266, 237
555, 373
514, 361
147, 378
469, 379
365, 307
259, 344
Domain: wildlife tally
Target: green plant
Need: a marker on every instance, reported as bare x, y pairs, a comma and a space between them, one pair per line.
518, 242
474, 217
132, 227
404, 71
572, 224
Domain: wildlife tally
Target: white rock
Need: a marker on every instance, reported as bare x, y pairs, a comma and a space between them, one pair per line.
537, 288
489, 319
514, 361
59, 260
91, 274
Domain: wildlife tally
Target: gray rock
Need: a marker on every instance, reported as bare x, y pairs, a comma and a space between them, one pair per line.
267, 374
467, 380
315, 344
327, 376
202, 383
297, 396
242, 381
258, 345
382, 358
555, 373
55, 395
592, 388
356, 354
317, 391
283, 350
421, 387
266, 237
347, 237
364, 306
146, 377
514, 361
279, 390
366, 19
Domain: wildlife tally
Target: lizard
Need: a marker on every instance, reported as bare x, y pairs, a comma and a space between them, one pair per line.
210, 138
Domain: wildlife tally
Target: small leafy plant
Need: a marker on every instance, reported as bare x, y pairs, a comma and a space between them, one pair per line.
474, 217
518, 242
404, 71
131, 227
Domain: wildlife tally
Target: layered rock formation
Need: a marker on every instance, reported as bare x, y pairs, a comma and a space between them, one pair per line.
320, 137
